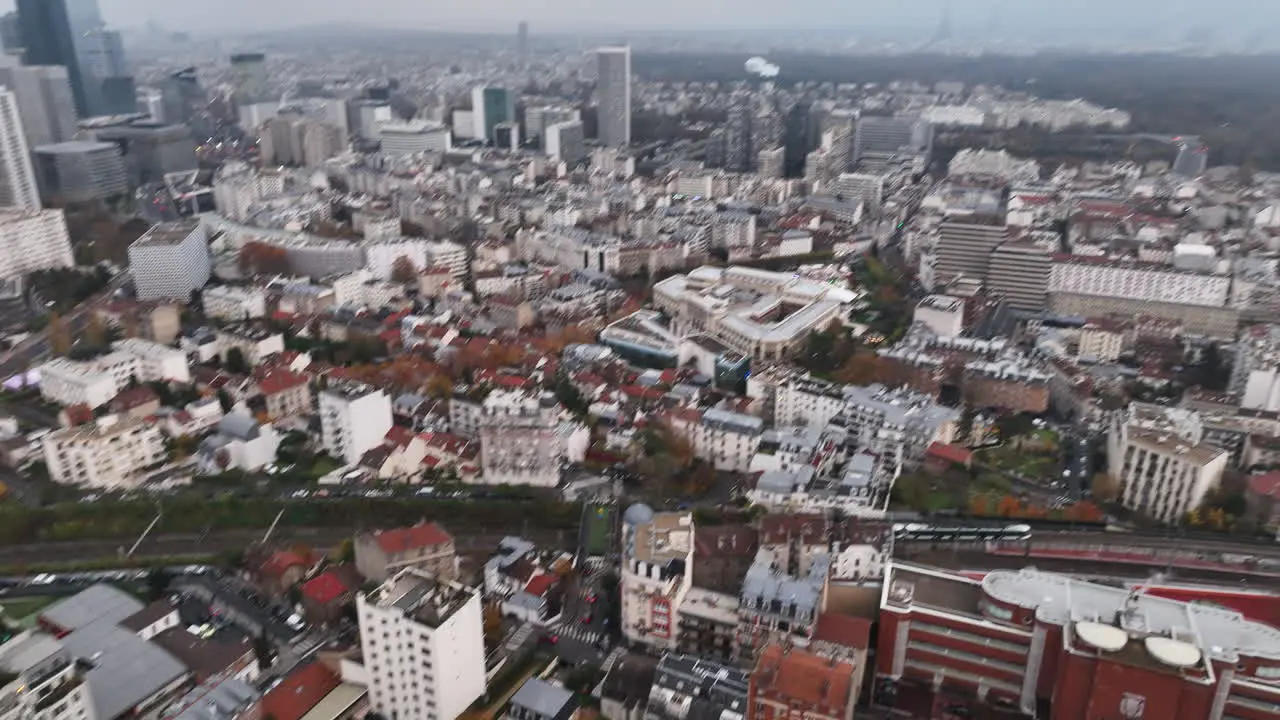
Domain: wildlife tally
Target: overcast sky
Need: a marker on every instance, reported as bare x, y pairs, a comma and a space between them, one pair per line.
499, 15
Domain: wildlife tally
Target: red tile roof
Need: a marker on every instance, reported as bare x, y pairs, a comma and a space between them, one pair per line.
301, 691
841, 629
325, 588
411, 538
798, 676
130, 398
281, 379
279, 562
540, 584
1267, 484
951, 453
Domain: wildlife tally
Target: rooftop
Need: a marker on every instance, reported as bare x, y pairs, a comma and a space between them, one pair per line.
542, 698
801, 677
168, 233
416, 537
424, 598
74, 147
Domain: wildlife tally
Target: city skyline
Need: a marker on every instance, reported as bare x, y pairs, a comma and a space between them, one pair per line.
1227, 16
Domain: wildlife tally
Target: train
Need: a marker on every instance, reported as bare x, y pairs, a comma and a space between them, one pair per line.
924, 532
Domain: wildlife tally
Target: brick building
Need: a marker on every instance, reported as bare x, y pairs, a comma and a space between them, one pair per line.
1033, 643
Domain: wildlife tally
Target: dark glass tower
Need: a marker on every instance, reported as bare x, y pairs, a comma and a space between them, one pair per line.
47, 32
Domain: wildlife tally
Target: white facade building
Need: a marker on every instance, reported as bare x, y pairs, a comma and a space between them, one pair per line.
657, 574
354, 419
380, 257
443, 253
766, 315
423, 646
1159, 457
107, 454
727, 440
228, 302
156, 362
18, 188
613, 96
415, 136
170, 260
37, 666
67, 382
33, 240
1138, 281
255, 344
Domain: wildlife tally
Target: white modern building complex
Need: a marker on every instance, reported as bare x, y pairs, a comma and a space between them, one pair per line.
171, 260
766, 315
1145, 282
423, 646
613, 96
107, 454
33, 240
415, 136
1161, 460
354, 419
18, 186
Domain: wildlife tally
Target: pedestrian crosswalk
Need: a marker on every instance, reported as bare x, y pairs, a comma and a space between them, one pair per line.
519, 637
578, 632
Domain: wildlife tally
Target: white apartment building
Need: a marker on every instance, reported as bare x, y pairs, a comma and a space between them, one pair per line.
725, 439
38, 666
423, 646
106, 455
766, 315
67, 382
657, 573
354, 419
229, 302
942, 314
33, 240
414, 136
155, 362
1145, 282
170, 260
255, 344
1159, 457
380, 256
443, 253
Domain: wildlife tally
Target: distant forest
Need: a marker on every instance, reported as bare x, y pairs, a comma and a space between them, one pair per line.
1232, 102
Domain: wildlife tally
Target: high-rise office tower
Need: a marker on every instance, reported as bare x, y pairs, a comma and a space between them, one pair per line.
491, 106
249, 77
522, 39
883, 136
564, 141
18, 188
44, 99
50, 39
965, 246
183, 97
737, 139
613, 96
10, 32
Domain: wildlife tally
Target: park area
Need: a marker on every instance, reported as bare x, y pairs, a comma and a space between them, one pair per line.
597, 529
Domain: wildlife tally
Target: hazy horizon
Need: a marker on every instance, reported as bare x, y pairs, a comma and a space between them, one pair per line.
967, 16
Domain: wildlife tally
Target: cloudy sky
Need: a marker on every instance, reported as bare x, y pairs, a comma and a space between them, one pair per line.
1223, 15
